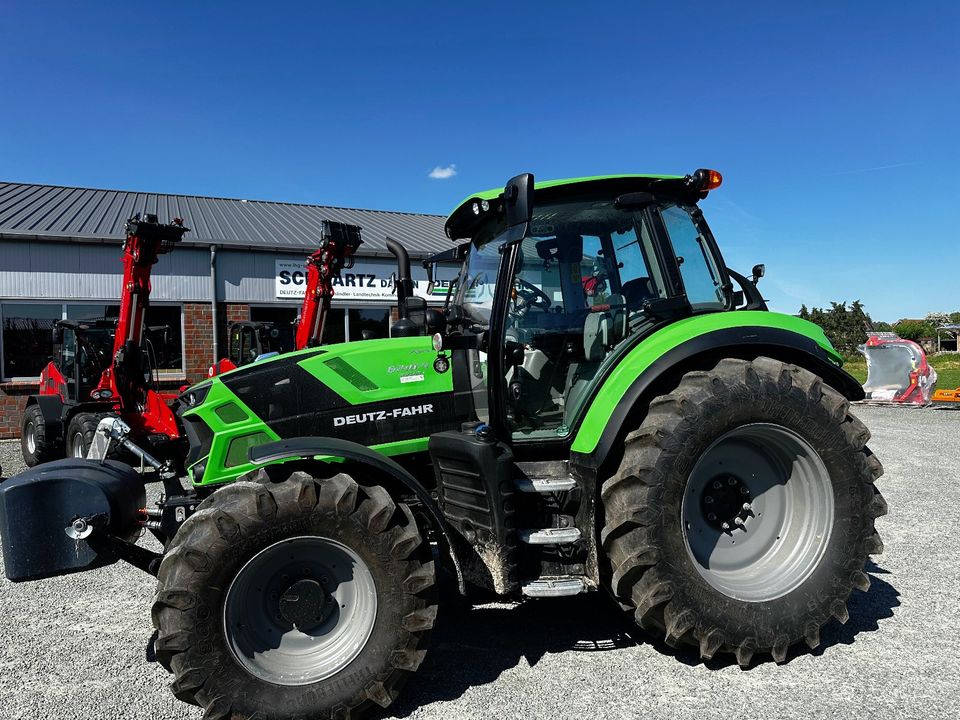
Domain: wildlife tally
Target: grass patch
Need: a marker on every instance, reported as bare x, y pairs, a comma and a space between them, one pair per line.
947, 367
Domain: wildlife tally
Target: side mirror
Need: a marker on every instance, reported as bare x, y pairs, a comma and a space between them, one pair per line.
518, 199
759, 270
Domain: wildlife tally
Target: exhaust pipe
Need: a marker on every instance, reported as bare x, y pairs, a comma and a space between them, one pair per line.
404, 279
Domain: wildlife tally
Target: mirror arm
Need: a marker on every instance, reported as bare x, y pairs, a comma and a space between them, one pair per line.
755, 300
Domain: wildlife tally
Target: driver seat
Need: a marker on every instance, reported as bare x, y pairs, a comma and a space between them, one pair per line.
602, 331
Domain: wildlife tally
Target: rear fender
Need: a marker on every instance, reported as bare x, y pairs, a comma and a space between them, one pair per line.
55, 414
700, 353
306, 448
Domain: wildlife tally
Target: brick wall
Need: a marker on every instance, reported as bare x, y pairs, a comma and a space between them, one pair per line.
13, 396
197, 340
237, 312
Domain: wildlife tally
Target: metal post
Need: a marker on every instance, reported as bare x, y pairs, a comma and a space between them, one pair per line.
213, 302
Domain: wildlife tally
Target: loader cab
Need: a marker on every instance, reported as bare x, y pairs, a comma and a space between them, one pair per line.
82, 351
555, 298
251, 340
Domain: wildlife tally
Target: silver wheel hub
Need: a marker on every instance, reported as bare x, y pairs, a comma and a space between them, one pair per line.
30, 434
300, 610
757, 512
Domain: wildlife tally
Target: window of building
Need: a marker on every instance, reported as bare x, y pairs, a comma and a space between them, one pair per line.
164, 332
27, 339
26, 344
369, 323
335, 329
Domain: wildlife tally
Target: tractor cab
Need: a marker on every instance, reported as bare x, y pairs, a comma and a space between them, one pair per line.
554, 295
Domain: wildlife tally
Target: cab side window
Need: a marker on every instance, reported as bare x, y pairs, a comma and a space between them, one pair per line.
701, 277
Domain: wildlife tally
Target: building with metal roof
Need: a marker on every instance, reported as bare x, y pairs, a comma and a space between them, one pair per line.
55, 213
242, 261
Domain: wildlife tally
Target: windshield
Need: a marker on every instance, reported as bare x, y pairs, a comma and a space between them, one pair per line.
575, 256
477, 282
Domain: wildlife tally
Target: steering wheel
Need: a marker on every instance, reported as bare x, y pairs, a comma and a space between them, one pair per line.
528, 296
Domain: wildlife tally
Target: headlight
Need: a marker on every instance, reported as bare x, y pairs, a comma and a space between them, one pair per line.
195, 395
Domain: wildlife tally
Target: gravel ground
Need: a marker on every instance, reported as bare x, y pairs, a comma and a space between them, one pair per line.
78, 646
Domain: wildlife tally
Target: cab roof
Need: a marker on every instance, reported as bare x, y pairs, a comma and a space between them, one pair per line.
462, 220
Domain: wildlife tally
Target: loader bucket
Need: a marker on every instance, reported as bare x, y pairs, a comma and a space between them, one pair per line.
897, 370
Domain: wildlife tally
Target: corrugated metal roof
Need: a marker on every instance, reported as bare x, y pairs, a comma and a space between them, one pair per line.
50, 212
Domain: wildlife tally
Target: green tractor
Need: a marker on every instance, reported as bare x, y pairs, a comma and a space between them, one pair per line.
602, 405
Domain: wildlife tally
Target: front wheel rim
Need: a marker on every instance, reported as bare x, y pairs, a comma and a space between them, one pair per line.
78, 445
300, 610
757, 512
30, 436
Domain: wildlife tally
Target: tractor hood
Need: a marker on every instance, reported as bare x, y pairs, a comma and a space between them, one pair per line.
380, 393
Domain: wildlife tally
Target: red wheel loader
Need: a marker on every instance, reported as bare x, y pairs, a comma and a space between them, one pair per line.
106, 367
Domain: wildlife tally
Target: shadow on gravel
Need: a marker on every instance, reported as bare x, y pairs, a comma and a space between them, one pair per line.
473, 646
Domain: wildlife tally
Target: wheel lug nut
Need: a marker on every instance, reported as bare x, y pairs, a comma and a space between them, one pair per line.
725, 526
746, 506
744, 490
708, 499
731, 481
712, 517
738, 521
717, 485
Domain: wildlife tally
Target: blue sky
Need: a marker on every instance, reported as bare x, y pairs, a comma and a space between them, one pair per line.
834, 124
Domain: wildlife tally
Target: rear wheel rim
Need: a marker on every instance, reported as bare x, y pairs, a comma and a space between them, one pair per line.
757, 512
30, 437
300, 610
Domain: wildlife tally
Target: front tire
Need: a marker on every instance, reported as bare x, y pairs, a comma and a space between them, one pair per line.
304, 598
34, 444
80, 433
742, 514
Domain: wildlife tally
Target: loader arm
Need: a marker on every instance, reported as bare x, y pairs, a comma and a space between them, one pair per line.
337, 246
146, 240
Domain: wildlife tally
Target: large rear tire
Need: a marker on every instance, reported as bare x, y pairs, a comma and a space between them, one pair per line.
742, 514
304, 598
34, 445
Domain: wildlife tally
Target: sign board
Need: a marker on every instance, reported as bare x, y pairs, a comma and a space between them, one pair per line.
367, 281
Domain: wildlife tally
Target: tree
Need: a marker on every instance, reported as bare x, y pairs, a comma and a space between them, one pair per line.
846, 328
915, 330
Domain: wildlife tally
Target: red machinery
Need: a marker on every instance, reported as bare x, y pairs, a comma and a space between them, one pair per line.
252, 340
897, 370
101, 367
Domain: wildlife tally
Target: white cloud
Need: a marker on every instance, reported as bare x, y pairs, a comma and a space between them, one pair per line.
443, 173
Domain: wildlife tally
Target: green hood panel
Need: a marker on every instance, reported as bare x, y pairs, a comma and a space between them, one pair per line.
375, 370
641, 357
361, 373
